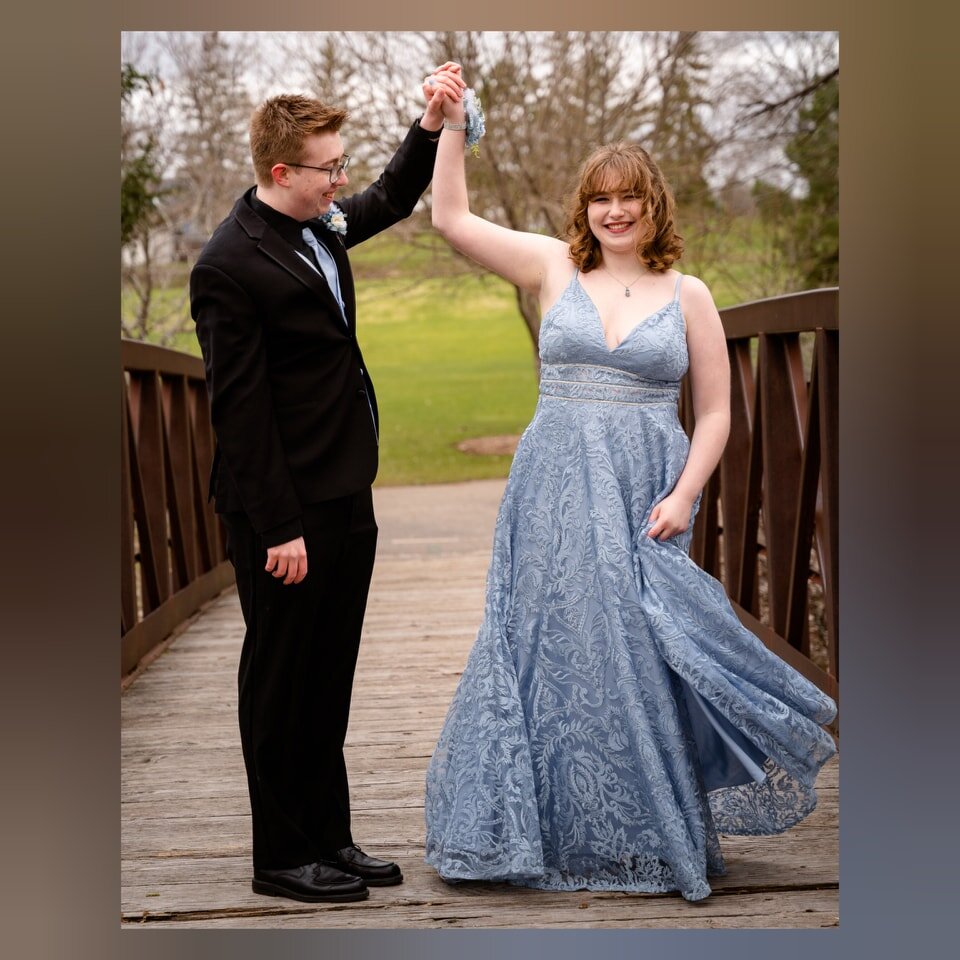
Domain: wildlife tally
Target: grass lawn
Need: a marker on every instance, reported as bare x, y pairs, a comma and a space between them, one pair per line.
449, 354
450, 358
449, 361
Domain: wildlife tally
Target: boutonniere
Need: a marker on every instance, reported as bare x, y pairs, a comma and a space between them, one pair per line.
335, 219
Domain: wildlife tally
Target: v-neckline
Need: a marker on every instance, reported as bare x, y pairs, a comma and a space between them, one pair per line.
603, 330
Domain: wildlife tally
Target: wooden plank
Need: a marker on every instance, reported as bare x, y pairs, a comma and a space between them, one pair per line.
791, 313
366, 793
519, 907
159, 624
185, 825
136, 355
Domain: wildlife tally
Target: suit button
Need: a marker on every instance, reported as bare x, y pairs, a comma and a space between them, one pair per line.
361, 392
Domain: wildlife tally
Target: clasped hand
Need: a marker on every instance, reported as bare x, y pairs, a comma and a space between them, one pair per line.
444, 96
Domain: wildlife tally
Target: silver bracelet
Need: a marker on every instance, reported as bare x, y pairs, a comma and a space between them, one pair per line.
447, 125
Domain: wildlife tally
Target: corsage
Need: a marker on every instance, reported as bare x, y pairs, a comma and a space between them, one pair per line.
475, 125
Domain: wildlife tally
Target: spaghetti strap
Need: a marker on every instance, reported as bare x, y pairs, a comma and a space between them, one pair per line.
676, 289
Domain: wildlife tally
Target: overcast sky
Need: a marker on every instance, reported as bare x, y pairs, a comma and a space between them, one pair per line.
731, 51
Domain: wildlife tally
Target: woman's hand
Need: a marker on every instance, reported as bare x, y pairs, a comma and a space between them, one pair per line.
443, 91
670, 516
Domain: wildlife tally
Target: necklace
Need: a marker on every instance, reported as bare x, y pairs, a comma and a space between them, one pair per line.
626, 287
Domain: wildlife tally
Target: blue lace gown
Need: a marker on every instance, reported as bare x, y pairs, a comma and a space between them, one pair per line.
613, 715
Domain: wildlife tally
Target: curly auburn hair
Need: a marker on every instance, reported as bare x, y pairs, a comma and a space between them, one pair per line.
624, 167
279, 126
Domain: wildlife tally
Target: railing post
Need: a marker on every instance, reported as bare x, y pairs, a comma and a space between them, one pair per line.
166, 439
776, 500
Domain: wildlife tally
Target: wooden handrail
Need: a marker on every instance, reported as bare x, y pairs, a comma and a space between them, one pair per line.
773, 499
172, 545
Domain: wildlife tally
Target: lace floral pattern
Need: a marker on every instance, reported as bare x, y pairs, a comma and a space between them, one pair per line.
613, 714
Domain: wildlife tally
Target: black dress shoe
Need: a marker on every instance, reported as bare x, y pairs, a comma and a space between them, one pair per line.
376, 873
313, 883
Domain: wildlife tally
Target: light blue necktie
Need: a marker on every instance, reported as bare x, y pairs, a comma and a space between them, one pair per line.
327, 265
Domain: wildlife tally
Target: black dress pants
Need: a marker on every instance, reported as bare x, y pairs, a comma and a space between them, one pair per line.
295, 678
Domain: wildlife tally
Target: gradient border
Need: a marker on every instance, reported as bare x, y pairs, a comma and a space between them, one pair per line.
61, 806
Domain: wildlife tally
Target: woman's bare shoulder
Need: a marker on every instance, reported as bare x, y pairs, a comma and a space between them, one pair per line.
694, 287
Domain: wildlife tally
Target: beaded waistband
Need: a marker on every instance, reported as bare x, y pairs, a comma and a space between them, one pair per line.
578, 381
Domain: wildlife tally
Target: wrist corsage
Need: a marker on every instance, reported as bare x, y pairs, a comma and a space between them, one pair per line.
476, 124
335, 219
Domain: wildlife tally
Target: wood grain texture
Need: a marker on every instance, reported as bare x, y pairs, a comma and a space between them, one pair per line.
185, 830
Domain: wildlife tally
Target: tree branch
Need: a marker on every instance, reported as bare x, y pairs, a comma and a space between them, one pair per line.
763, 107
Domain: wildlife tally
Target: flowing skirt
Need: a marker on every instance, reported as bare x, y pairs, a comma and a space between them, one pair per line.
613, 715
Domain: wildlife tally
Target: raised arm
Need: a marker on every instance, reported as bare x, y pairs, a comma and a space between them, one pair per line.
394, 194
521, 258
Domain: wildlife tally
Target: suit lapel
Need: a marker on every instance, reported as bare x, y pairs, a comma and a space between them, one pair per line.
271, 244
275, 247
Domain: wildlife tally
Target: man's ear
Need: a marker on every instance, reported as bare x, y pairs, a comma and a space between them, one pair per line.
280, 173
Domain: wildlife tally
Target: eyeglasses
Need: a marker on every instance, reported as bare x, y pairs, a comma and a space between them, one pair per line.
336, 171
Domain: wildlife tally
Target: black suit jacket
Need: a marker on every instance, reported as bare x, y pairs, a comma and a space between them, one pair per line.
292, 404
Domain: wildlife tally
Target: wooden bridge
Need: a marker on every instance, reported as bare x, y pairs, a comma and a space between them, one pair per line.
185, 814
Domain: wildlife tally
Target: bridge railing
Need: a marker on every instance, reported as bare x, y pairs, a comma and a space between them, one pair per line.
767, 526
769, 514
171, 542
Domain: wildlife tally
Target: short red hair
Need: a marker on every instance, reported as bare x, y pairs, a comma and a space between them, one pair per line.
278, 128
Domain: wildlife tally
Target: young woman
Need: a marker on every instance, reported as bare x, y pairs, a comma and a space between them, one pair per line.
614, 714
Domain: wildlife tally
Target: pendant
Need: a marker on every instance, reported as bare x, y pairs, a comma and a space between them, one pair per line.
626, 292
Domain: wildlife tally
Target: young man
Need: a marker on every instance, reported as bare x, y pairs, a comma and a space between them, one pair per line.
296, 423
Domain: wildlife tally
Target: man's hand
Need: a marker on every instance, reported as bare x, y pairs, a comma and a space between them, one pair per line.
446, 87
288, 560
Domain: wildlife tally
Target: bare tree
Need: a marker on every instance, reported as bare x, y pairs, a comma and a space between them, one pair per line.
717, 111
197, 113
552, 98
139, 175
382, 103
144, 156
784, 94
336, 68
758, 91
214, 109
